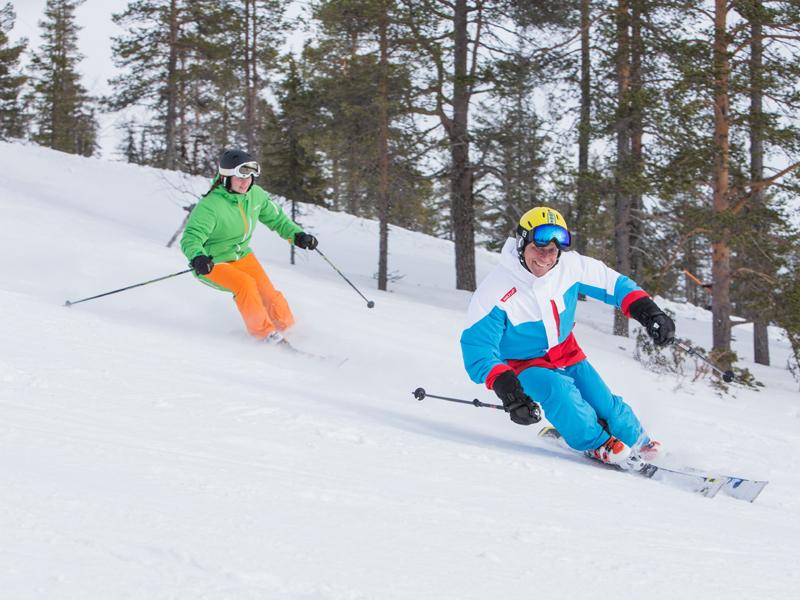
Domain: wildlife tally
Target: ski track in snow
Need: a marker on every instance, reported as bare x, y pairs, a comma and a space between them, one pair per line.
150, 450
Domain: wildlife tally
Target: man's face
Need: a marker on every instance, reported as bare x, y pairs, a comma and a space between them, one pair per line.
540, 260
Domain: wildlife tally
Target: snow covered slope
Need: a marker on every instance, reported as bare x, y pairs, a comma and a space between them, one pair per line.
150, 450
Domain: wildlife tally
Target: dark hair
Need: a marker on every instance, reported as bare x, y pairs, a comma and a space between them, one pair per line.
216, 184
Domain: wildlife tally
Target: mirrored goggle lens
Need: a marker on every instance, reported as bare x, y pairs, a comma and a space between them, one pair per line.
247, 169
544, 234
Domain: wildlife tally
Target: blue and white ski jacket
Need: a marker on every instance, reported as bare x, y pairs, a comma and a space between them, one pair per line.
517, 320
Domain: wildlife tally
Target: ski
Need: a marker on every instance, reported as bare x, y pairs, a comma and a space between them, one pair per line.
691, 479
335, 360
737, 487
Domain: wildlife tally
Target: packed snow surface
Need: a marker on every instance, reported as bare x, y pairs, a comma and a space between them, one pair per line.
149, 449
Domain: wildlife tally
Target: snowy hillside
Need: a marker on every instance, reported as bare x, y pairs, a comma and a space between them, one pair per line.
150, 450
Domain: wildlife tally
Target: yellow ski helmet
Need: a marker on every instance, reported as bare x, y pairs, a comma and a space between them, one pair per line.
542, 225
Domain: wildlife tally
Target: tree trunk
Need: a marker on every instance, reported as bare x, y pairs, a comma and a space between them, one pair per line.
383, 149
250, 73
463, 209
170, 158
622, 196
353, 151
336, 183
694, 293
182, 132
294, 218
721, 253
582, 202
248, 117
760, 334
353, 203
636, 134
253, 127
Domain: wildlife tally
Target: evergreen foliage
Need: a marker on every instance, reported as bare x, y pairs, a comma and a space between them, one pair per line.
12, 117
197, 67
511, 144
153, 55
664, 130
288, 158
359, 76
454, 45
63, 113
744, 220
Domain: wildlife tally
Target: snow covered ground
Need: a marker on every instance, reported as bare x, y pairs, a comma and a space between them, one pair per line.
150, 450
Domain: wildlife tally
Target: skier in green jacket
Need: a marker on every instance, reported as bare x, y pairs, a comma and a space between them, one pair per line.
217, 237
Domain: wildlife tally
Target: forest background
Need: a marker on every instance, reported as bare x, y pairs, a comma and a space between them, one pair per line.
665, 131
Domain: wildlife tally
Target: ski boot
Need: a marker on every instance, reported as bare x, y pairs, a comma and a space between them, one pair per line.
275, 338
613, 452
650, 451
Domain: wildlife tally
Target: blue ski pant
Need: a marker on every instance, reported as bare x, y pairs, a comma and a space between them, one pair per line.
573, 398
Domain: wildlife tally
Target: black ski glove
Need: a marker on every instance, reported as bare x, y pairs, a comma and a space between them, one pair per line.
304, 240
516, 402
202, 264
659, 326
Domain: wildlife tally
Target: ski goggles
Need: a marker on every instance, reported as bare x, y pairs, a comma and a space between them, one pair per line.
541, 235
243, 170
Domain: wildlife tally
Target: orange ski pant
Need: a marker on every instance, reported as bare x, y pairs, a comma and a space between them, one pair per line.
263, 308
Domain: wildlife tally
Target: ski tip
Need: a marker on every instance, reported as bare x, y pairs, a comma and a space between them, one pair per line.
548, 431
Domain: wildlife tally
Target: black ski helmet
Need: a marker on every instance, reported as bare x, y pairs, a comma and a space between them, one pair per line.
229, 160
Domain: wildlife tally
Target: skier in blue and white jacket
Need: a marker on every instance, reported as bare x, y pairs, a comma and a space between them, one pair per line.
519, 342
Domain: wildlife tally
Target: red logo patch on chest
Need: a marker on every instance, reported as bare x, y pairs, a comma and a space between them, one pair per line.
508, 295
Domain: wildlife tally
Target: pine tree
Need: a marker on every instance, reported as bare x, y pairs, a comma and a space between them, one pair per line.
150, 53
585, 201
767, 77
453, 83
561, 48
626, 67
217, 96
679, 161
63, 112
458, 44
363, 125
787, 310
12, 118
515, 162
289, 163
710, 138
512, 145
262, 24
199, 67
132, 146
343, 75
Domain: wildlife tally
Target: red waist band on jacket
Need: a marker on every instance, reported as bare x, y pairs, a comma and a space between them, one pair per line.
566, 354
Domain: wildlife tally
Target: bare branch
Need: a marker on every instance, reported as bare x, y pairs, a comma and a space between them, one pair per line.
756, 186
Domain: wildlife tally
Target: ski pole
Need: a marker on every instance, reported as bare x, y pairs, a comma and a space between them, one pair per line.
70, 302
370, 303
421, 394
727, 376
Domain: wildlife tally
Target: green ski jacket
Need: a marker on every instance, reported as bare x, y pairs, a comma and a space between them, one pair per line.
222, 223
